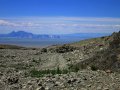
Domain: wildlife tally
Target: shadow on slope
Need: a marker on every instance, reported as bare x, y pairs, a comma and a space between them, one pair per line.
108, 59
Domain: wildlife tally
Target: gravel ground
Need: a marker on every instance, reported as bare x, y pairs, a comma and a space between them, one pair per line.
16, 66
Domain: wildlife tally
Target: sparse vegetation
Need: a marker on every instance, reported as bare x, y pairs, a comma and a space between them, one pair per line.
2, 46
41, 73
94, 68
65, 48
44, 50
36, 61
21, 67
73, 68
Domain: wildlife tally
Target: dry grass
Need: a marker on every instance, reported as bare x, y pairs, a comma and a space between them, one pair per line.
3, 46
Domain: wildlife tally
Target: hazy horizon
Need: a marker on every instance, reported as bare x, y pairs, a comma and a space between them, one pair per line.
60, 16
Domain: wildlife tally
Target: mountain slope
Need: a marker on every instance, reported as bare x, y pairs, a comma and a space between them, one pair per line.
106, 59
92, 64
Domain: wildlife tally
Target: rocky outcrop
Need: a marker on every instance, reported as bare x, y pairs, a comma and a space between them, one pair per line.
115, 40
107, 59
63, 49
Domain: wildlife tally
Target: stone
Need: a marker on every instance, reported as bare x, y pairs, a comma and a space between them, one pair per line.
106, 88
47, 88
69, 81
57, 83
99, 88
73, 80
108, 71
13, 80
40, 88
39, 84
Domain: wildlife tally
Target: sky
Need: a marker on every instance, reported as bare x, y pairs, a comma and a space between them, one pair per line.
60, 16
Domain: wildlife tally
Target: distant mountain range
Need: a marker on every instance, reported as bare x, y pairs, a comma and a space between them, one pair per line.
23, 34
85, 35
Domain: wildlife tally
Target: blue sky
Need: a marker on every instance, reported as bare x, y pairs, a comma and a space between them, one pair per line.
60, 16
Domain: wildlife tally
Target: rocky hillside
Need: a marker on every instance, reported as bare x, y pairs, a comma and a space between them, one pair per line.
92, 64
107, 59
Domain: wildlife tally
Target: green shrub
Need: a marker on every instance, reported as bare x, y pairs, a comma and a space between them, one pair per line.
65, 71
73, 68
41, 73
35, 73
44, 50
94, 68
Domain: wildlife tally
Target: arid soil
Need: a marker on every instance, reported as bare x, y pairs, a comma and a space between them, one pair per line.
92, 64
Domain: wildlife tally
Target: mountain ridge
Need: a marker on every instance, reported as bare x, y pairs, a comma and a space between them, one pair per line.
23, 34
